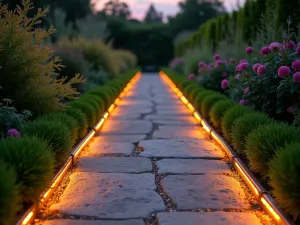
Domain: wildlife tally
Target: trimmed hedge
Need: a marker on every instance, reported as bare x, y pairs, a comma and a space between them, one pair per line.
208, 103
81, 119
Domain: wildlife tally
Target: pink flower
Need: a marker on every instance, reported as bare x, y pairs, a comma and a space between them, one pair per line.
217, 57
255, 67
243, 60
261, 70
298, 50
275, 46
283, 71
13, 133
237, 68
191, 76
201, 64
296, 65
244, 66
249, 50
224, 74
243, 102
296, 77
292, 109
232, 60
225, 83
246, 90
265, 50
289, 44
219, 62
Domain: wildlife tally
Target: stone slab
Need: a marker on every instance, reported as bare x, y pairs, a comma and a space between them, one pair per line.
129, 110
207, 218
168, 132
139, 102
126, 127
168, 117
98, 147
122, 116
92, 222
179, 107
129, 138
175, 122
110, 196
176, 148
174, 112
192, 166
114, 164
205, 192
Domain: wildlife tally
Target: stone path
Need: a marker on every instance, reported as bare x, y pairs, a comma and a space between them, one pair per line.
151, 164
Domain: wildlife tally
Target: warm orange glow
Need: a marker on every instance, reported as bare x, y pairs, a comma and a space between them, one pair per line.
189, 105
105, 115
98, 125
246, 178
111, 108
216, 138
122, 95
27, 218
117, 101
196, 115
87, 139
206, 128
184, 100
270, 209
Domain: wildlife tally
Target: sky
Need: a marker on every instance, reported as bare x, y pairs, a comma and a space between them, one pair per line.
168, 7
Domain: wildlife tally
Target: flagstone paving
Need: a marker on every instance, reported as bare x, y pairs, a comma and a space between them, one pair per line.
149, 160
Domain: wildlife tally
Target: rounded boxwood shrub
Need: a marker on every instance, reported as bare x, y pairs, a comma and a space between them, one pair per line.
229, 118
32, 161
78, 115
285, 178
184, 83
244, 125
94, 103
189, 88
87, 109
218, 110
265, 140
10, 197
65, 119
54, 133
194, 92
200, 97
208, 103
103, 95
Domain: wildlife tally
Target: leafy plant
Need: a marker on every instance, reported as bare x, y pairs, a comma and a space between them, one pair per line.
10, 198
81, 119
55, 133
209, 102
285, 178
218, 110
87, 109
264, 141
230, 117
33, 163
200, 97
244, 125
28, 69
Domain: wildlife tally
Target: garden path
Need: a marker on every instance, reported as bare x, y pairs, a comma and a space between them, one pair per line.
152, 164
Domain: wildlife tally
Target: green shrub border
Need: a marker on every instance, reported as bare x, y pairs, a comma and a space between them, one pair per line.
181, 82
125, 79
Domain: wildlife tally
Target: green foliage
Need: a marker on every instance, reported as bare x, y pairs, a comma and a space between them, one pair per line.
285, 178
194, 92
208, 102
244, 125
264, 141
9, 194
187, 89
21, 57
66, 120
218, 110
32, 161
87, 109
81, 119
95, 79
126, 60
102, 92
95, 101
200, 97
230, 117
54, 133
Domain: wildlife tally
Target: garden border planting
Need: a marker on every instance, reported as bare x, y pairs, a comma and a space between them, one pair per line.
266, 200
30, 215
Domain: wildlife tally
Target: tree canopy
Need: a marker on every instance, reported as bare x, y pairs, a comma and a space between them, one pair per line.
153, 16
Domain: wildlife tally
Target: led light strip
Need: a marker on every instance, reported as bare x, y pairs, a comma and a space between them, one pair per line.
267, 202
31, 213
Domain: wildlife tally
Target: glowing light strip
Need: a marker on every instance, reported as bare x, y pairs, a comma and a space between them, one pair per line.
56, 180
280, 219
184, 100
189, 105
105, 115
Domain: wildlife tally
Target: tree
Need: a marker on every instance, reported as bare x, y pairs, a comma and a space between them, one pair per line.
193, 13
116, 8
152, 16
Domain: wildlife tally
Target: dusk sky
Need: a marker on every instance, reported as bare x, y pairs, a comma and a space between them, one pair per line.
168, 7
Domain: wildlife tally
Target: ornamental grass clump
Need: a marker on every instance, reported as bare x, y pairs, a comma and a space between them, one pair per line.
285, 178
194, 92
200, 97
103, 94
89, 111
55, 133
188, 89
209, 102
65, 119
244, 125
218, 110
10, 197
33, 162
264, 141
230, 117
81, 119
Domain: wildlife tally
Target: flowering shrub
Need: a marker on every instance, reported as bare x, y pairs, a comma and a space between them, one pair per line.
177, 65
